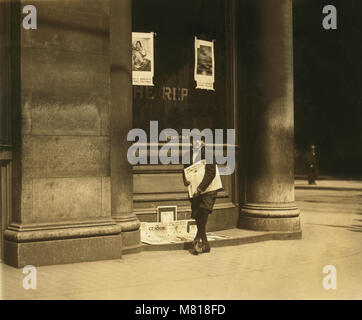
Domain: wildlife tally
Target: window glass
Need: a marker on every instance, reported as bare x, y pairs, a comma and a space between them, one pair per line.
173, 101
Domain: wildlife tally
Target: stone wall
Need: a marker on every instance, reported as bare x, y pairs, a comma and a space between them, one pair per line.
65, 112
63, 162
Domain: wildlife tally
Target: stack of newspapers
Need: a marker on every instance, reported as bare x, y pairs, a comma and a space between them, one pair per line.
167, 232
156, 233
195, 173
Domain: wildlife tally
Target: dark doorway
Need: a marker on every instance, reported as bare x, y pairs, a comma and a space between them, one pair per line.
5, 118
5, 196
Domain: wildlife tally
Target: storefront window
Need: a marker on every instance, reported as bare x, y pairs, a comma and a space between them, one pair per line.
174, 100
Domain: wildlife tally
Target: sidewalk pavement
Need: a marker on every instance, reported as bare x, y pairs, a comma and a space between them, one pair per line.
292, 269
329, 184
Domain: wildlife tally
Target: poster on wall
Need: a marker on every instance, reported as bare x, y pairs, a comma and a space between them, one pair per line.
142, 58
204, 64
166, 213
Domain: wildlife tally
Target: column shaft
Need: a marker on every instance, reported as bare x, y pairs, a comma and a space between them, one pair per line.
121, 121
269, 199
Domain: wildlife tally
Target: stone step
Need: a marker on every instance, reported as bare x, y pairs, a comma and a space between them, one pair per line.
233, 237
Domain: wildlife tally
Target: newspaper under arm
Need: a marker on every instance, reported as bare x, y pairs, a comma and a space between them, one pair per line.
195, 173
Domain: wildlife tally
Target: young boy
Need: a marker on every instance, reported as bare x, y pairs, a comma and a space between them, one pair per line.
201, 204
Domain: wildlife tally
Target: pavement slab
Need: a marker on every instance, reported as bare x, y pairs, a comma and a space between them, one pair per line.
291, 269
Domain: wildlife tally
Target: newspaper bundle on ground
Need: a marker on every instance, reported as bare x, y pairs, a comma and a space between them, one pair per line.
171, 232
195, 173
167, 232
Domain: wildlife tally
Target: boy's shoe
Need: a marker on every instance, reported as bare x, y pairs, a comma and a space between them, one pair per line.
199, 247
196, 248
206, 248
193, 251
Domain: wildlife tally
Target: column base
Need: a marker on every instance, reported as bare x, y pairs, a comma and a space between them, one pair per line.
131, 242
268, 218
131, 235
61, 244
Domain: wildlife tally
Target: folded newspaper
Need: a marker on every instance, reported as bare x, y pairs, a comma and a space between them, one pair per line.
195, 173
156, 233
167, 232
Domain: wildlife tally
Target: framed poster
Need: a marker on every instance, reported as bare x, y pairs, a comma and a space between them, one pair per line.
166, 213
142, 59
204, 64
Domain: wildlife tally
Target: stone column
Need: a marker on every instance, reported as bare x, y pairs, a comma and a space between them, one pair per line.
121, 122
59, 202
269, 183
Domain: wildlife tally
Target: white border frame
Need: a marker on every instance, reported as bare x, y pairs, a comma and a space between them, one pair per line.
202, 81
159, 211
137, 75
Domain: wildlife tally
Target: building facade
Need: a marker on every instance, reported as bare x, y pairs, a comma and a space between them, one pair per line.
68, 192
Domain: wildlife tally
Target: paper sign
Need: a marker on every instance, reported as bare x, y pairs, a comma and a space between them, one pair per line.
204, 64
142, 58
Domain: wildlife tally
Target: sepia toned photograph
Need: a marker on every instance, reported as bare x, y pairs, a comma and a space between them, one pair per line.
180, 156
142, 58
204, 60
140, 54
204, 64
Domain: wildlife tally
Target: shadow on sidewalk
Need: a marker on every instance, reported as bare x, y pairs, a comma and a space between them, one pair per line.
353, 227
